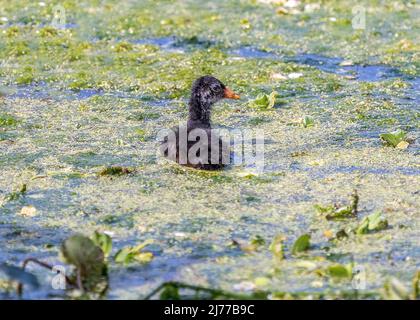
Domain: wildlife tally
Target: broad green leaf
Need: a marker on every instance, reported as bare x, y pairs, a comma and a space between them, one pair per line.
301, 244
88, 259
339, 271
129, 255
81, 251
123, 256
363, 226
393, 138
261, 281
103, 241
307, 121
373, 222
377, 222
264, 101
143, 257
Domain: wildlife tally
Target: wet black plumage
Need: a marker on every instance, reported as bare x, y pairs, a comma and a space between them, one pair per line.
206, 91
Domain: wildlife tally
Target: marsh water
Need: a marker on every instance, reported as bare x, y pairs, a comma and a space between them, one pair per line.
94, 94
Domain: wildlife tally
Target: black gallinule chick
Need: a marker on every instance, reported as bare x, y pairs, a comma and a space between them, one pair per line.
200, 153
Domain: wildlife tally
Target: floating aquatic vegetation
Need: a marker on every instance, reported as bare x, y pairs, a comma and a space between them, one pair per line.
302, 244
26, 77
277, 247
16, 194
307, 121
103, 241
91, 272
340, 271
7, 121
396, 139
341, 234
115, 171
137, 78
129, 255
373, 222
336, 212
139, 116
141, 134
256, 243
123, 47
264, 101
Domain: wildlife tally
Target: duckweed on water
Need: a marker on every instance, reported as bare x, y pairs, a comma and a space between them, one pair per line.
307, 121
115, 171
93, 94
336, 212
7, 121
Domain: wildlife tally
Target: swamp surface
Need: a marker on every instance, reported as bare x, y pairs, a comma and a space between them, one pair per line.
93, 91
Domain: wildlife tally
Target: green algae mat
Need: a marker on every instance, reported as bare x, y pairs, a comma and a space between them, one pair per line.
85, 86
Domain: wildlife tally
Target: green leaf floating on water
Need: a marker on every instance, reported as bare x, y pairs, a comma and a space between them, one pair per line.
88, 258
264, 101
307, 121
340, 271
129, 255
373, 222
334, 212
302, 244
13, 273
394, 138
103, 241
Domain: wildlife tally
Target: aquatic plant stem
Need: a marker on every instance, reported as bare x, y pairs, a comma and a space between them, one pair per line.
42, 264
214, 292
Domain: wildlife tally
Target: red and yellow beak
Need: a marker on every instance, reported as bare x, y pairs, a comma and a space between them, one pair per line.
229, 94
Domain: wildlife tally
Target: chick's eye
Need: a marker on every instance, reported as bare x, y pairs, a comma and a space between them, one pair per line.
215, 88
